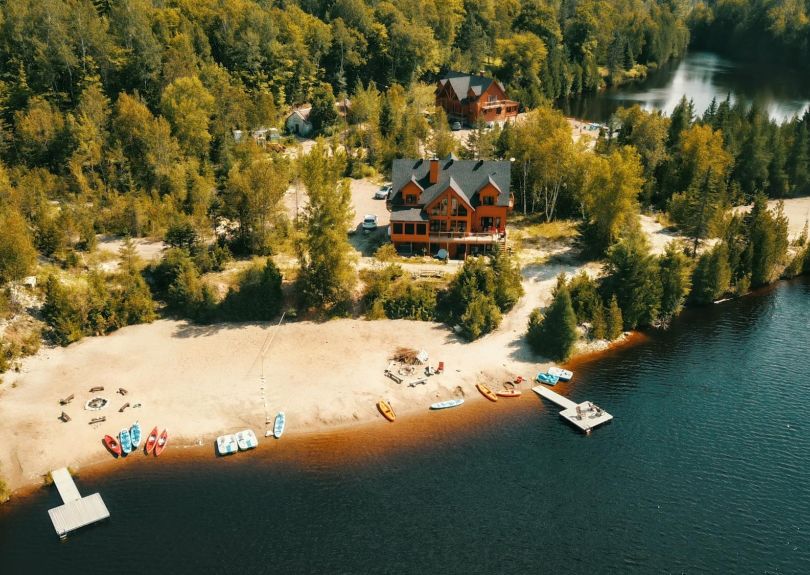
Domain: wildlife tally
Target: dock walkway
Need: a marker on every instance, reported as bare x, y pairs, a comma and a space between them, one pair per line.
76, 511
585, 416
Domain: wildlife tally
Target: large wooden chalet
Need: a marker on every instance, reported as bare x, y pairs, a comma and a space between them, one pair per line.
469, 98
457, 205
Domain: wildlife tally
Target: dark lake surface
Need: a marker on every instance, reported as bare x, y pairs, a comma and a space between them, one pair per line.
702, 76
704, 470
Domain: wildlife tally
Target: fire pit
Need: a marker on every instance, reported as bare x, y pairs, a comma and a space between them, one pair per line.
96, 404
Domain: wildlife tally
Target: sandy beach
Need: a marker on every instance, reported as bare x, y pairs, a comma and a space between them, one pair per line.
201, 381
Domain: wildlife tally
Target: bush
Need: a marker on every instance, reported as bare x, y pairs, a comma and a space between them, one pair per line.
481, 316
390, 293
258, 297
585, 298
386, 252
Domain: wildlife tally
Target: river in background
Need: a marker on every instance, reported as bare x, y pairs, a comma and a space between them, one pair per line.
703, 470
702, 76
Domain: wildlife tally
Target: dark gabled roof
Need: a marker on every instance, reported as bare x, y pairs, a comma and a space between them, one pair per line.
408, 215
466, 177
463, 83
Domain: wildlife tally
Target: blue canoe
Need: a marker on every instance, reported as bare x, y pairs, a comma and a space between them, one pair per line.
547, 378
278, 426
126, 442
446, 404
135, 435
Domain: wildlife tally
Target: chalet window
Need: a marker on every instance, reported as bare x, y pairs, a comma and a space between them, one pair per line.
488, 200
454, 207
462, 211
498, 110
440, 209
498, 223
434, 225
397, 228
491, 99
410, 199
420, 229
409, 229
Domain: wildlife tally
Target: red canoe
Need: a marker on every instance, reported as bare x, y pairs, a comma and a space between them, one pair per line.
161, 443
112, 444
151, 440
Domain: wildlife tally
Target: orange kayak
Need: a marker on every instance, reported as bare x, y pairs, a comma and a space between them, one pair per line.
508, 393
486, 392
386, 410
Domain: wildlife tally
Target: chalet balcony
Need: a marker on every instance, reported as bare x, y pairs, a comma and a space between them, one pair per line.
498, 104
492, 237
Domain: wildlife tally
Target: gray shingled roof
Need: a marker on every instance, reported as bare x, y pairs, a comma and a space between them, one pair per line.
461, 83
408, 215
468, 177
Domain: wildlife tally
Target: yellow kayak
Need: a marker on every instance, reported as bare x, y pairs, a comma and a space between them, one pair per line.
386, 410
486, 392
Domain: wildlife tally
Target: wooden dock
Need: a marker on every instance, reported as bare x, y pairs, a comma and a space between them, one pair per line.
76, 511
585, 416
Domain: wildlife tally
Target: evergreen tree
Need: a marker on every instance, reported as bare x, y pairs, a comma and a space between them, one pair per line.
680, 120
615, 322
599, 322
17, 253
676, 277
59, 311
633, 276
323, 115
712, 276
555, 333
508, 287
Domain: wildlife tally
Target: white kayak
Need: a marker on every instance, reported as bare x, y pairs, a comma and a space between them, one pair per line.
446, 404
278, 426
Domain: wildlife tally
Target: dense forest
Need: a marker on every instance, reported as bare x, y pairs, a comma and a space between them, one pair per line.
118, 117
772, 31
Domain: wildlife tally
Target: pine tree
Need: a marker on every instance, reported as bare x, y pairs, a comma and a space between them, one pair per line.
599, 323
508, 281
676, 280
615, 322
712, 276
555, 333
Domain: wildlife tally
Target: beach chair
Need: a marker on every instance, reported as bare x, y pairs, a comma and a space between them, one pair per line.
122, 391
96, 389
64, 417
440, 369
123, 407
67, 400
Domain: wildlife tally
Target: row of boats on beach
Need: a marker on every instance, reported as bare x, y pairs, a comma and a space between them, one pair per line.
550, 377
244, 440
129, 439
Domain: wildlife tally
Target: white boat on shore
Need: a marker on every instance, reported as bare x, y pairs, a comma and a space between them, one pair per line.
226, 445
447, 404
246, 440
563, 374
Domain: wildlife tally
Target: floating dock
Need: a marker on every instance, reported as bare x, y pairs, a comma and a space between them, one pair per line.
76, 511
585, 416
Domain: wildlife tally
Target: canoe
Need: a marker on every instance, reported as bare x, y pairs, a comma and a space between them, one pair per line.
446, 404
278, 426
112, 444
387, 411
563, 374
126, 442
151, 440
160, 445
547, 378
508, 393
486, 392
246, 440
226, 445
135, 435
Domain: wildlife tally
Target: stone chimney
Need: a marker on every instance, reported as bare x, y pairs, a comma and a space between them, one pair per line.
434, 170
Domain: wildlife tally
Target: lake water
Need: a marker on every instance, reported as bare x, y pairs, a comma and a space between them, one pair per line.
702, 76
704, 470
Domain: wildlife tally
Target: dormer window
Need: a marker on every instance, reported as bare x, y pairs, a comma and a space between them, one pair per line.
491, 99
488, 200
410, 199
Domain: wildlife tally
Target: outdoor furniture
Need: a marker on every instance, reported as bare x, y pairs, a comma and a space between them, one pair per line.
440, 369
67, 400
123, 407
96, 389
95, 420
415, 382
393, 376
64, 417
122, 391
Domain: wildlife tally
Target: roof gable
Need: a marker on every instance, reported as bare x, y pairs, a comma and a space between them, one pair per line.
466, 177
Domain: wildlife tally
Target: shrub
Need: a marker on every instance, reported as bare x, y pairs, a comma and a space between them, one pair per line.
555, 333
258, 297
480, 317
